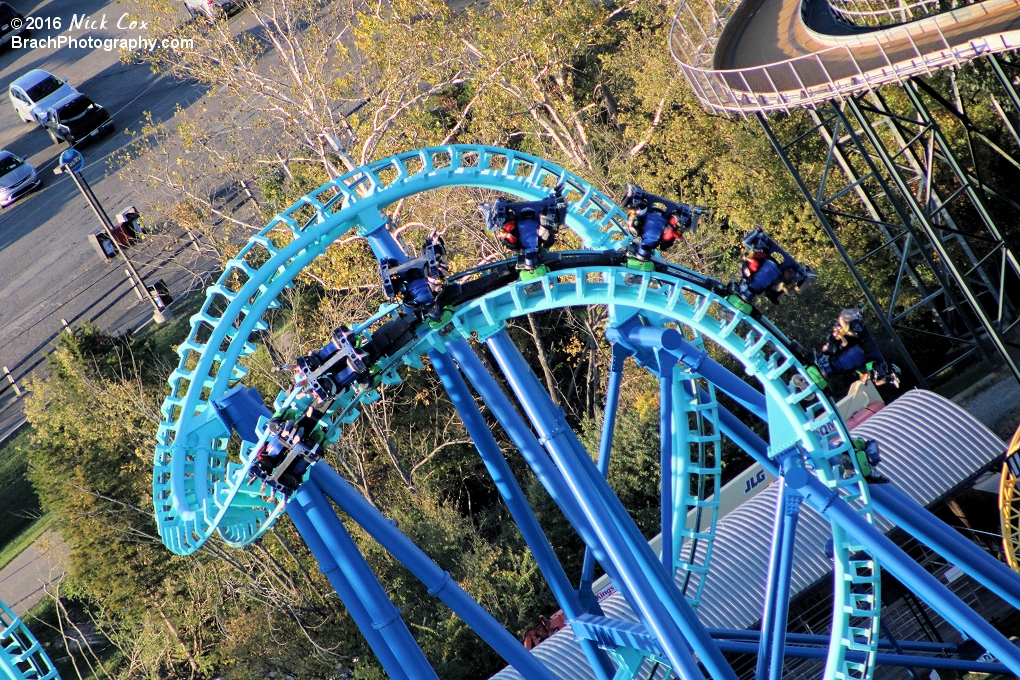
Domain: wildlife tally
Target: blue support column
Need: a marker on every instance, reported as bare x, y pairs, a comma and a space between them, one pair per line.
791, 513
820, 654
428, 572
620, 355
696, 359
661, 606
524, 439
823, 641
348, 594
824, 501
910, 574
667, 364
517, 503
384, 615
768, 614
946, 541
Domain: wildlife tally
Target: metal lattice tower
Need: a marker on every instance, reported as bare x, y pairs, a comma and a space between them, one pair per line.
891, 184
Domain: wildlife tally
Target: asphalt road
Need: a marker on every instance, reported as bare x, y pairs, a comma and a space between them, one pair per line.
48, 268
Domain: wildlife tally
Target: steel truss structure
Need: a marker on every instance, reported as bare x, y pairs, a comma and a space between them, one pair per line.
897, 191
665, 318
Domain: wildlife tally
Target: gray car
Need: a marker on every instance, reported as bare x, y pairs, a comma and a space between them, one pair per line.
17, 178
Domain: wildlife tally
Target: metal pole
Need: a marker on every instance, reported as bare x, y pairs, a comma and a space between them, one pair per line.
791, 513
438, 582
667, 364
930, 530
620, 536
823, 641
349, 595
159, 315
944, 255
517, 503
823, 220
385, 616
932, 662
620, 355
768, 612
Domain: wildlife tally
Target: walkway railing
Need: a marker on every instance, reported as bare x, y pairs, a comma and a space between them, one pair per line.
806, 81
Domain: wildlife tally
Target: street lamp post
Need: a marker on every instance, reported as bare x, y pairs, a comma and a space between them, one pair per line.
72, 162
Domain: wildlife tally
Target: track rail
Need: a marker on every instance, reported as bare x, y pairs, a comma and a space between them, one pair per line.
199, 487
21, 655
762, 55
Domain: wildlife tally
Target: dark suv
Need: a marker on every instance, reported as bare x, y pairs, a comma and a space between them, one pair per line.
76, 118
7, 14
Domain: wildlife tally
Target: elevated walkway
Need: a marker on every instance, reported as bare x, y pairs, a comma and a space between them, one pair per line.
769, 55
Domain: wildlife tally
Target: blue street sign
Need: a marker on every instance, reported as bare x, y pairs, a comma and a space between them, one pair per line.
73, 160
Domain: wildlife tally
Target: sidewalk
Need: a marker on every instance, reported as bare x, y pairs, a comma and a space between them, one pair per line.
23, 582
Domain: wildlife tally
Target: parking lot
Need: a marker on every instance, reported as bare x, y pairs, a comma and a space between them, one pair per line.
48, 268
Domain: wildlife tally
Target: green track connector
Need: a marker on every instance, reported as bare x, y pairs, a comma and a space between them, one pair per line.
445, 318
816, 377
634, 263
737, 302
537, 273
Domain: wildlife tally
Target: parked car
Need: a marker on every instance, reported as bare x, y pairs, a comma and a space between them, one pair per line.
76, 118
36, 91
211, 9
17, 178
8, 13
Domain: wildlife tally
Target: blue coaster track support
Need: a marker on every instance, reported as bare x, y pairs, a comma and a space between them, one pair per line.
21, 655
665, 316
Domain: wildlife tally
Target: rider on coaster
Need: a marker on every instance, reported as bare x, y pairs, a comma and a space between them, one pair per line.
654, 223
318, 378
851, 349
527, 227
761, 272
417, 282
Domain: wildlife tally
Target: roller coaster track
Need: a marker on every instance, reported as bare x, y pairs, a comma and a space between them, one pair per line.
664, 318
1009, 503
778, 55
21, 655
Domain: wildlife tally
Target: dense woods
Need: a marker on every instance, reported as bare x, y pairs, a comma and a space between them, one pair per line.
317, 88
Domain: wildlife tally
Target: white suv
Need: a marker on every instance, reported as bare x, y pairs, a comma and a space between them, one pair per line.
35, 91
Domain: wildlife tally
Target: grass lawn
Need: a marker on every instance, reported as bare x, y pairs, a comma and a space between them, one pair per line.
19, 508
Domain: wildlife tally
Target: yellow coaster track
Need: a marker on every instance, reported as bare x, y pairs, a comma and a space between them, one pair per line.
1009, 506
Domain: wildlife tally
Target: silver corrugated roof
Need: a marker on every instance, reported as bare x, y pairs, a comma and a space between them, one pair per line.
928, 444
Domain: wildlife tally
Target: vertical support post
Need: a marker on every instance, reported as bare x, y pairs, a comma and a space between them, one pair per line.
667, 364
768, 614
619, 356
791, 513
439, 582
349, 595
159, 315
342, 549
662, 608
513, 495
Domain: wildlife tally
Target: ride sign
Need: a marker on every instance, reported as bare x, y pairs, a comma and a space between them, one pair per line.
72, 160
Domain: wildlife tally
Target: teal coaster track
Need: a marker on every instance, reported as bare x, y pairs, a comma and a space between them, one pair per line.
21, 655
665, 318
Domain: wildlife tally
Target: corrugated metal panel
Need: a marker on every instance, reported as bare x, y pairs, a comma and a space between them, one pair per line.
929, 445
